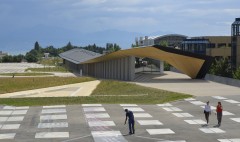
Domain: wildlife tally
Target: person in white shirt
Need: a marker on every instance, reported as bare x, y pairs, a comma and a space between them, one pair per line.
207, 111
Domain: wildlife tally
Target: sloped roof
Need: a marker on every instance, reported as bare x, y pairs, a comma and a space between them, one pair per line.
78, 55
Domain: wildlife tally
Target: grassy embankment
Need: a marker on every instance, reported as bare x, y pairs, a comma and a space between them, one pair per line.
107, 92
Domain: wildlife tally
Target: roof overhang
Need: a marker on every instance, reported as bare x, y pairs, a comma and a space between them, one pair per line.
193, 65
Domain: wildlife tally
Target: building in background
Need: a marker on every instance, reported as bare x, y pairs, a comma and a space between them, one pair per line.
172, 40
215, 46
235, 32
2, 54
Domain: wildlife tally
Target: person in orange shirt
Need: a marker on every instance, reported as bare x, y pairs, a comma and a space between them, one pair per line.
219, 110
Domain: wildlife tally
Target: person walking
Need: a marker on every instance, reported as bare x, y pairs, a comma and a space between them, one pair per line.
130, 117
219, 110
207, 112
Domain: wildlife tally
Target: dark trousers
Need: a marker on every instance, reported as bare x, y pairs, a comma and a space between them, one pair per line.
207, 116
131, 126
219, 118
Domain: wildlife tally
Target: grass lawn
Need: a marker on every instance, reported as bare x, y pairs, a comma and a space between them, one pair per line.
107, 92
25, 74
8, 85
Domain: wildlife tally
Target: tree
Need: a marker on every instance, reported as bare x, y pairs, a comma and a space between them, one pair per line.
36, 46
236, 74
221, 67
31, 57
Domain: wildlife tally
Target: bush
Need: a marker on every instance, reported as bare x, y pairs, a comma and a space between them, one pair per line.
236, 74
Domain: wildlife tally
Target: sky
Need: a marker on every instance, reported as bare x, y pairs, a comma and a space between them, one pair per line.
83, 22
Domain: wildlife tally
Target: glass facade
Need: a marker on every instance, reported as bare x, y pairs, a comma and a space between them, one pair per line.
235, 32
196, 45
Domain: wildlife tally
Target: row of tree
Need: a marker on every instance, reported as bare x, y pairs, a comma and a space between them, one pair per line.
38, 52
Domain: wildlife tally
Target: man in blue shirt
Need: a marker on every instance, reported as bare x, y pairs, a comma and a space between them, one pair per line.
130, 117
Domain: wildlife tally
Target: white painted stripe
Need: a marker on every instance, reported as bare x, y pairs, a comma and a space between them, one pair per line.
195, 121
212, 107
6, 112
13, 107
219, 97
91, 109
128, 105
229, 140
15, 118
10, 126
135, 109
197, 103
89, 105
211, 130
55, 106
53, 117
227, 113
190, 99
172, 109
7, 136
108, 136
160, 131
53, 125
3, 119
44, 111
236, 119
149, 122
19, 112
97, 115
232, 101
182, 114
142, 115
164, 105
101, 123
52, 135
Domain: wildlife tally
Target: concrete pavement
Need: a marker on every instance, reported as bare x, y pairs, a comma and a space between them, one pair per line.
181, 121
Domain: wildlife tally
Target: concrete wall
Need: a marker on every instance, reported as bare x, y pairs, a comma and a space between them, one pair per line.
223, 80
120, 69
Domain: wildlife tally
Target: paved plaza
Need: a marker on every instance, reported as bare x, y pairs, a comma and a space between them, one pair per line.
181, 121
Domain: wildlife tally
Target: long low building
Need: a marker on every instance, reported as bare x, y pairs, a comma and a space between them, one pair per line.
120, 65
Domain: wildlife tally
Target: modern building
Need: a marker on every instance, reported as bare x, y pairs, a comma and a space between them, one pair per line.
120, 65
208, 45
172, 40
235, 32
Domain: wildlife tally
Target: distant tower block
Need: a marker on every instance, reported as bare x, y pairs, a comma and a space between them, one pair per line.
235, 44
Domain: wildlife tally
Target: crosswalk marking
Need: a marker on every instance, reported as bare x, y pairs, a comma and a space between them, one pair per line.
190, 99
13, 107
101, 123
97, 115
55, 106
19, 112
197, 103
172, 109
232, 101
53, 125
10, 126
195, 121
53, 117
46, 111
91, 109
164, 105
212, 130
229, 140
52, 135
149, 122
93, 105
6, 112
7, 136
219, 97
108, 136
134, 109
236, 119
128, 105
182, 114
160, 131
